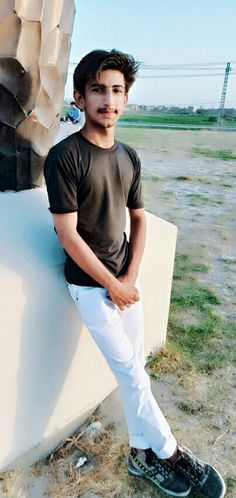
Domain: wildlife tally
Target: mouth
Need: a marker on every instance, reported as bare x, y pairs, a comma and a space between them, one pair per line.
107, 112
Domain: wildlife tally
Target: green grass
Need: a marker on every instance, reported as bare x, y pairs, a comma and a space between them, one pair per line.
192, 178
184, 178
231, 483
184, 266
191, 296
198, 198
228, 261
198, 337
189, 408
195, 340
185, 119
151, 178
147, 118
224, 154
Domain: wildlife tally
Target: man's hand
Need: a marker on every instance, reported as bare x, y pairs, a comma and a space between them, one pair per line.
121, 290
123, 293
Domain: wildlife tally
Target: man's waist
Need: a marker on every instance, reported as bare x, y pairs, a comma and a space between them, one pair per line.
76, 275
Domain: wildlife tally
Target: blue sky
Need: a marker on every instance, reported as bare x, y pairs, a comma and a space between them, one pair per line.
163, 32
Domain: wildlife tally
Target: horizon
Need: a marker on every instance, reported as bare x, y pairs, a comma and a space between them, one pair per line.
160, 107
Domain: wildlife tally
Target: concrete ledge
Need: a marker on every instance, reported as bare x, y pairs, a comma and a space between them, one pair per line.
52, 375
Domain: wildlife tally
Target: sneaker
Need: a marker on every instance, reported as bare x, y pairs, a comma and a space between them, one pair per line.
205, 480
160, 472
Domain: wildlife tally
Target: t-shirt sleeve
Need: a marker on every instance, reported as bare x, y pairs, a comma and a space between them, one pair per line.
62, 181
135, 199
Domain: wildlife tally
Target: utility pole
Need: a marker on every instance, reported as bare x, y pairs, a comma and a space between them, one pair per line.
222, 102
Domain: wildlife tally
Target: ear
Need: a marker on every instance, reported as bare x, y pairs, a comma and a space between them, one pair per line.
126, 99
79, 99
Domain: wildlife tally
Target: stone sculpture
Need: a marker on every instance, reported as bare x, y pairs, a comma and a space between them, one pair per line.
34, 53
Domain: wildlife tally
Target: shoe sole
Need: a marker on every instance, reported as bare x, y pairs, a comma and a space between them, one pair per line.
169, 493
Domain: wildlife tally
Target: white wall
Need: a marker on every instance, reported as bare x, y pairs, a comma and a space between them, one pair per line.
51, 373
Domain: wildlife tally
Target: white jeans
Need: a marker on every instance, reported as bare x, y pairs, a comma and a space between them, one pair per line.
119, 335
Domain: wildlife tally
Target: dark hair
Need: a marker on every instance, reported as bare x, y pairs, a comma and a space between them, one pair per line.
91, 66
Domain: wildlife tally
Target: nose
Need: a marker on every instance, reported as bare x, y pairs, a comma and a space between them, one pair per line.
109, 97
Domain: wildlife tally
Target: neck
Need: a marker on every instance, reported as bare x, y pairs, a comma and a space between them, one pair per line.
102, 137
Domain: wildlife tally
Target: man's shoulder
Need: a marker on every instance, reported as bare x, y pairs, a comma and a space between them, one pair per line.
66, 146
65, 155
132, 153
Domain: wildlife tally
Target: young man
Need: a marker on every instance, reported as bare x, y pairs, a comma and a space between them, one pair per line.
73, 114
91, 179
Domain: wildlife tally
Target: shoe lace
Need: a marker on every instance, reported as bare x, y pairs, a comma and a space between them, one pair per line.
190, 465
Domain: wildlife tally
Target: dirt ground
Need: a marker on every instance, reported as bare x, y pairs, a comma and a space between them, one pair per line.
198, 194
203, 206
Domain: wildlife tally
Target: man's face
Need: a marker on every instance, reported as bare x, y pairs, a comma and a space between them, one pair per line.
105, 99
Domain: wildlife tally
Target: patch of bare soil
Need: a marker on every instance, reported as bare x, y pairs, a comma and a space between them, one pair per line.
198, 194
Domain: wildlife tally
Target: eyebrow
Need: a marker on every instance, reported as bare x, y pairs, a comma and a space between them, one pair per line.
94, 85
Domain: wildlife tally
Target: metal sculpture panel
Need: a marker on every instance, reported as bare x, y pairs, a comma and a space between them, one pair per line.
34, 54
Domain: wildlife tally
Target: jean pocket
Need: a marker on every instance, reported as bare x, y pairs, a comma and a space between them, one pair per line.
94, 306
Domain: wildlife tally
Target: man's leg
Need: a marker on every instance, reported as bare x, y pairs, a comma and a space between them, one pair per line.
146, 423
205, 480
133, 323
148, 428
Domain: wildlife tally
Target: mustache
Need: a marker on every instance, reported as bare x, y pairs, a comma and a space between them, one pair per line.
106, 109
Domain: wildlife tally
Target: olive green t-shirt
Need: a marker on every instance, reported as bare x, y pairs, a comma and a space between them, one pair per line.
98, 184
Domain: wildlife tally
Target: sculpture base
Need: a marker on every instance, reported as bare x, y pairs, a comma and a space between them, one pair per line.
52, 373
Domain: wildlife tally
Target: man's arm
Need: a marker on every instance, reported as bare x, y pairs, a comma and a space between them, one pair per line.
121, 294
136, 244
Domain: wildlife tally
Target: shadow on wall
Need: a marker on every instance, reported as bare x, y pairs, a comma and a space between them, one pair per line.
38, 334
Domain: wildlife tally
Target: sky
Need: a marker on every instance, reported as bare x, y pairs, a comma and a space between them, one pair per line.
163, 33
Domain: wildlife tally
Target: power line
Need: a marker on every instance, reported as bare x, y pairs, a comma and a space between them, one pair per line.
175, 66
193, 65
157, 76
213, 102
195, 104
189, 68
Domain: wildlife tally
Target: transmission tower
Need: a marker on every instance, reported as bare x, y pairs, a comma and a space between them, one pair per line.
222, 102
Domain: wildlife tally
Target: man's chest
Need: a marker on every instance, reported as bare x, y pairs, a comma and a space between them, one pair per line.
109, 176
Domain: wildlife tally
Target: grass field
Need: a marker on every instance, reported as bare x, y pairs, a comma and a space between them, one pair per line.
184, 119
198, 337
148, 118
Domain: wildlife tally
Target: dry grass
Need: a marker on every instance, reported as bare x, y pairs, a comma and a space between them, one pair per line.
14, 483
105, 472
167, 360
101, 476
